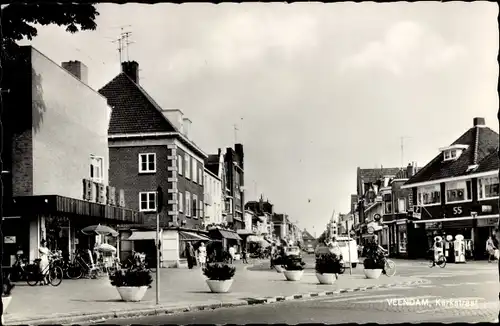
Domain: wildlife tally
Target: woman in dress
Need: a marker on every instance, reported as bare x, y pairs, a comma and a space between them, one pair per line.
202, 255
44, 253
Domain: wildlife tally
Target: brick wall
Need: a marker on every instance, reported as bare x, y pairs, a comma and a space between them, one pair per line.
124, 174
22, 164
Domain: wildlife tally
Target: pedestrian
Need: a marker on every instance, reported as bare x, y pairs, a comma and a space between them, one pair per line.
491, 249
190, 255
244, 255
232, 253
202, 255
273, 253
44, 253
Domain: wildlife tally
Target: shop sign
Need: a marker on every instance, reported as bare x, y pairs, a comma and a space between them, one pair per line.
9, 239
432, 226
401, 227
486, 208
457, 210
487, 222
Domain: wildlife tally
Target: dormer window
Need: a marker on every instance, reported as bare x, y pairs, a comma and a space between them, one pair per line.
453, 152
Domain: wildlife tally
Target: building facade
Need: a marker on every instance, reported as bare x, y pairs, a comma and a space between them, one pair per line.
457, 193
213, 192
55, 158
151, 147
234, 186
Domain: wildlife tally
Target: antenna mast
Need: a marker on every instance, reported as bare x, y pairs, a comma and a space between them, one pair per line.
402, 150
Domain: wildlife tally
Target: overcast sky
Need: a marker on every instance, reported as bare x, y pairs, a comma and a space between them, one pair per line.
316, 90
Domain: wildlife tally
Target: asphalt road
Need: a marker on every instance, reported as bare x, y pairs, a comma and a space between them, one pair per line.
474, 287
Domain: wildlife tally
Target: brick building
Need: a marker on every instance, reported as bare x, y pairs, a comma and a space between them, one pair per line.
150, 146
457, 193
234, 196
55, 158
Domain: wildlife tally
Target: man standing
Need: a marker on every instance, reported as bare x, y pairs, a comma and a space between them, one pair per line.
232, 253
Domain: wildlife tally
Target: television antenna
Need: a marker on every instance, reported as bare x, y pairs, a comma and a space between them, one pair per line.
402, 150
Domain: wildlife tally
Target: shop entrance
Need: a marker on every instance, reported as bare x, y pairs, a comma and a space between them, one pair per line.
147, 247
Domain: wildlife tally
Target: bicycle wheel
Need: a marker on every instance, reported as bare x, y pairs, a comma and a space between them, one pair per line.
74, 272
442, 261
342, 268
431, 263
55, 276
390, 267
32, 278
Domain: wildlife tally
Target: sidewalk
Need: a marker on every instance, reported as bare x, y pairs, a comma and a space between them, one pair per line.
180, 290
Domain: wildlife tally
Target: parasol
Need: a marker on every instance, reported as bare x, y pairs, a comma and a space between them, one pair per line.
99, 230
104, 247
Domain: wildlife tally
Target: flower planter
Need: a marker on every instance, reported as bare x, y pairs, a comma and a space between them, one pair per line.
372, 273
132, 293
220, 286
293, 275
326, 278
5, 302
279, 269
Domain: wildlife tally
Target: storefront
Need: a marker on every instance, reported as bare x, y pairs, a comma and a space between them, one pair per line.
401, 238
58, 220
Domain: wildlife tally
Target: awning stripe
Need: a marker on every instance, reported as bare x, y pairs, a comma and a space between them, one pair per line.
190, 236
142, 235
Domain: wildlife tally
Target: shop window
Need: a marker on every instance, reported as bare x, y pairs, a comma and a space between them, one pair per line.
402, 241
488, 188
458, 191
147, 163
429, 195
147, 201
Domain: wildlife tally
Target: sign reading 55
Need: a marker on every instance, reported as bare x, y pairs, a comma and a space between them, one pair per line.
457, 210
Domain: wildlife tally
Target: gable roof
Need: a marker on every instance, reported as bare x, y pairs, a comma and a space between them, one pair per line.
372, 175
133, 110
482, 147
307, 236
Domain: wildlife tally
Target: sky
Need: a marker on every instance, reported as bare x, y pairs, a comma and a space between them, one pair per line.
315, 90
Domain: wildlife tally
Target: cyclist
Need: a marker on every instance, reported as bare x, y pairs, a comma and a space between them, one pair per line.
377, 251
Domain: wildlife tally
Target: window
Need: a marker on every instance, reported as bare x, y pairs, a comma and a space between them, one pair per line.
147, 201
401, 205
181, 202
458, 191
201, 209
187, 166
188, 204
195, 171
147, 163
206, 182
488, 187
200, 176
402, 241
388, 207
195, 205
179, 164
96, 168
429, 195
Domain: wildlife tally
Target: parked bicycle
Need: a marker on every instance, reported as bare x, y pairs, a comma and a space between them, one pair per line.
18, 271
52, 274
80, 267
389, 266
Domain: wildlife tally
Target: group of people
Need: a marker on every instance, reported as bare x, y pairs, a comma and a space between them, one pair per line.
202, 255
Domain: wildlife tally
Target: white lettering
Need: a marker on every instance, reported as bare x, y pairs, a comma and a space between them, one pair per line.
457, 210
408, 302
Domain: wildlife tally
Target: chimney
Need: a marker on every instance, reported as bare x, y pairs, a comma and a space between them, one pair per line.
77, 69
479, 122
186, 126
175, 116
131, 69
410, 170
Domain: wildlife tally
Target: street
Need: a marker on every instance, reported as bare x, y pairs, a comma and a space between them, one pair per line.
474, 286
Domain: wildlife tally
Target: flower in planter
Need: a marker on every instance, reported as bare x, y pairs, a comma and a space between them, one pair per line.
219, 271
328, 263
278, 260
294, 263
373, 263
131, 277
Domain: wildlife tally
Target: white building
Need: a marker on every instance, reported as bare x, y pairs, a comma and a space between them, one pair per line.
214, 165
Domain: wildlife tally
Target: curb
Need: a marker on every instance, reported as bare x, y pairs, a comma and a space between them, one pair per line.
167, 310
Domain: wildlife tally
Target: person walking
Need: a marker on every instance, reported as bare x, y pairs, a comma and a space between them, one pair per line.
202, 255
490, 249
190, 255
232, 253
244, 255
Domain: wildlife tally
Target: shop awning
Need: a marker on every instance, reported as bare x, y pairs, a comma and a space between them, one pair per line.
142, 235
191, 236
227, 234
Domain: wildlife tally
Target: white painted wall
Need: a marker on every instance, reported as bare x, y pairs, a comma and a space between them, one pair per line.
213, 191
170, 248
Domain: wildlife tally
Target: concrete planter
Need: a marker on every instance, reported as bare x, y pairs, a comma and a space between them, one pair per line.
372, 273
293, 275
217, 286
279, 269
326, 278
6, 302
132, 293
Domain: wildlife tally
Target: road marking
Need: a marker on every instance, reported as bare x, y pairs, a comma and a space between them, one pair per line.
355, 297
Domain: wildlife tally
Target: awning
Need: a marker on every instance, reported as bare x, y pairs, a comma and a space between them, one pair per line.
228, 234
190, 236
142, 235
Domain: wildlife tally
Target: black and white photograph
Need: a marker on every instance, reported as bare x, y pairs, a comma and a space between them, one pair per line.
253, 162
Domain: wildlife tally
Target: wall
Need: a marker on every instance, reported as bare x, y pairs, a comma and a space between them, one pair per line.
170, 248
124, 174
70, 123
213, 209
